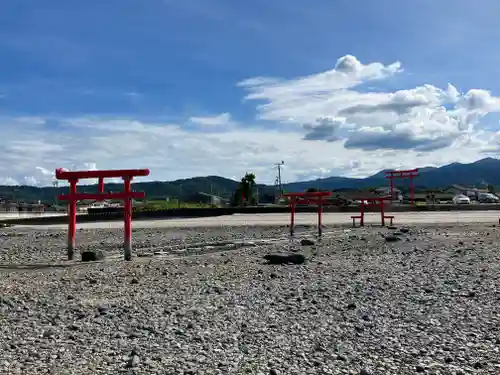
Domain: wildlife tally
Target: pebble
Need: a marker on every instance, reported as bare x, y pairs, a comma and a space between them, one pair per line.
358, 307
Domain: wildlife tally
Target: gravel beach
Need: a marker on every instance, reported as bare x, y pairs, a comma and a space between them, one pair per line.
420, 299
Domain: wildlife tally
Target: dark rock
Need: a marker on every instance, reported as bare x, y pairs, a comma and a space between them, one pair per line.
306, 242
102, 310
285, 258
351, 306
478, 365
364, 371
420, 368
404, 230
392, 227
392, 238
133, 361
134, 281
92, 256
49, 333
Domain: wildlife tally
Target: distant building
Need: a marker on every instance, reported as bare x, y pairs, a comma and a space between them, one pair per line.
206, 198
386, 191
470, 192
433, 197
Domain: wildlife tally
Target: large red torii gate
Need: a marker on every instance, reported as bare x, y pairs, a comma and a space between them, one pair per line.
127, 195
409, 173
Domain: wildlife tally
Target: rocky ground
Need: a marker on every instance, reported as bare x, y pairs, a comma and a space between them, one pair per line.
423, 301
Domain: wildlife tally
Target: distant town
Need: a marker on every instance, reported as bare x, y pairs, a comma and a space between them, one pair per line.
348, 196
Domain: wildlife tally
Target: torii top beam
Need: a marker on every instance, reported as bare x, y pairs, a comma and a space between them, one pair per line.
62, 174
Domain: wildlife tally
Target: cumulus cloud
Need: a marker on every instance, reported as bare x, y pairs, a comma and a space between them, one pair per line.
423, 118
325, 129
329, 125
171, 151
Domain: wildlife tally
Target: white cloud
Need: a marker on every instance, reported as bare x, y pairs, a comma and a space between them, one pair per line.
330, 127
420, 118
223, 119
171, 152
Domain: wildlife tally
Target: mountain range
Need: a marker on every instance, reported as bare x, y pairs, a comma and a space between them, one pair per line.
480, 173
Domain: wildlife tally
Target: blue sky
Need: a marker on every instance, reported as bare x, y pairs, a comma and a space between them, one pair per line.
85, 74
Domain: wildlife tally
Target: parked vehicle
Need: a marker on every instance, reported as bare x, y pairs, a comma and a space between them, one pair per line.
358, 202
488, 198
461, 199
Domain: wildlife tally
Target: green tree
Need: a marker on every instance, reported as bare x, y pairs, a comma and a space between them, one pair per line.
245, 192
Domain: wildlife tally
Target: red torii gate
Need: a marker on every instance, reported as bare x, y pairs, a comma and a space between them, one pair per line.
316, 197
410, 173
126, 174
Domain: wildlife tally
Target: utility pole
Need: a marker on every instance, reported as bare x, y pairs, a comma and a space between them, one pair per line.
278, 178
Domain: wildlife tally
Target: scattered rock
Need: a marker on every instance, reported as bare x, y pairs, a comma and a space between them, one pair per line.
306, 242
392, 238
285, 258
478, 365
419, 368
133, 361
92, 256
362, 307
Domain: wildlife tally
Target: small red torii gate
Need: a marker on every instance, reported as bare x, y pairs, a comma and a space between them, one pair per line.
126, 195
316, 197
409, 173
